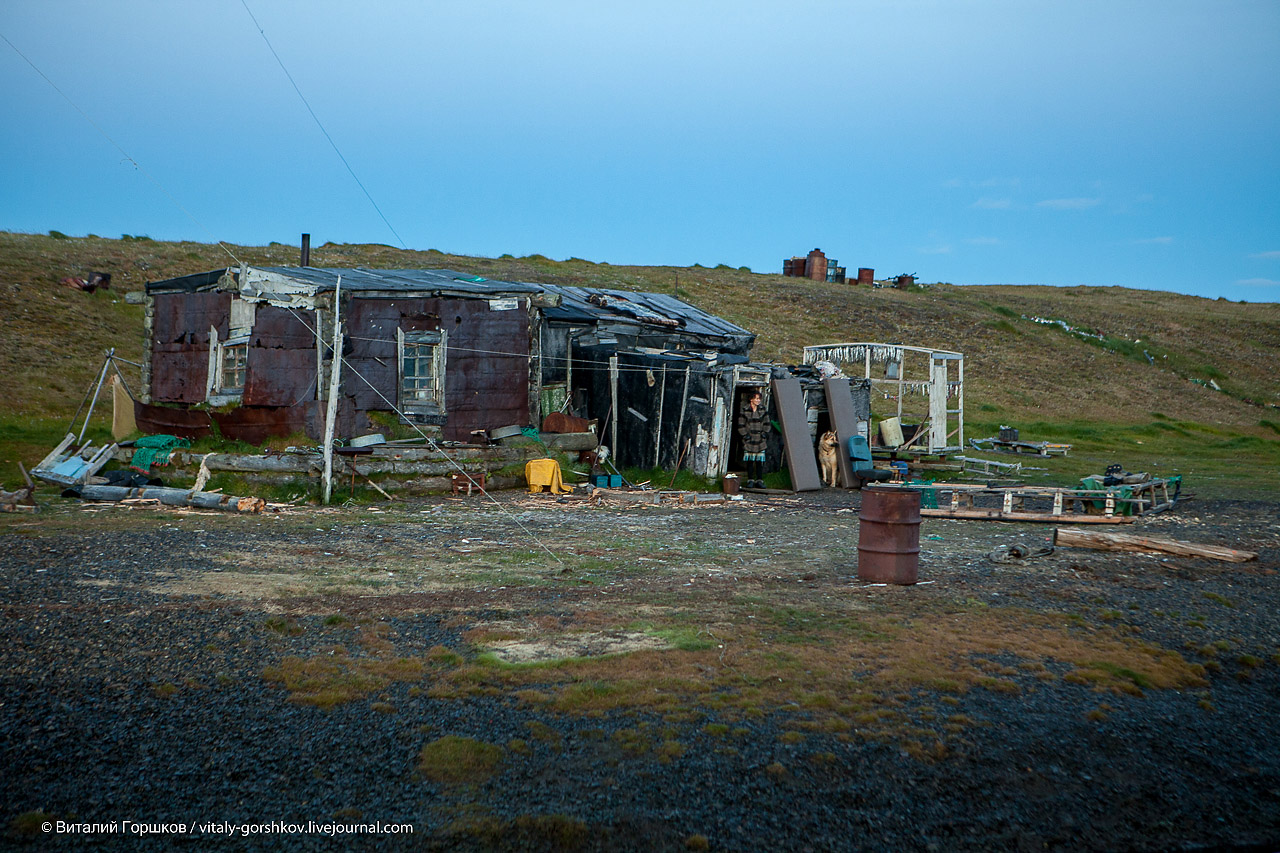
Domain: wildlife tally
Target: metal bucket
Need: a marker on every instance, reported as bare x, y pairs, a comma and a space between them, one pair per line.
889, 536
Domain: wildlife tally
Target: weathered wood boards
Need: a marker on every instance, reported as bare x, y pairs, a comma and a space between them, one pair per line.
65, 467
22, 499
801, 460
845, 423
1047, 503
172, 497
1111, 540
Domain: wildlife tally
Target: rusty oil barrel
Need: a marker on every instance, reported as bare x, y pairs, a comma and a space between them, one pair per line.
889, 536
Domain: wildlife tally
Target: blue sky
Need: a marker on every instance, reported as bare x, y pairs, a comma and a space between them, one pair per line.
1105, 143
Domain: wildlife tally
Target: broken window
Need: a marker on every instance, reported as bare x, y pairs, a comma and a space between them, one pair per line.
422, 363
229, 359
228, 368
234, 358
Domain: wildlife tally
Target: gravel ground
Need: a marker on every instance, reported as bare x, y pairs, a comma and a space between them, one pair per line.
132, 689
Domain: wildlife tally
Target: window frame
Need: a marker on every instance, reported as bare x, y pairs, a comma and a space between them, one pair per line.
217, 391
426, 394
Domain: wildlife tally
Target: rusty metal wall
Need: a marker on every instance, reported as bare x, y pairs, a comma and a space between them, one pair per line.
487, 376
180, 343
487, 365
370, 350
282, 358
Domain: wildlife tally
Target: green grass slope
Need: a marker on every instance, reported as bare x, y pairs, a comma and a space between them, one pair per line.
1132, 381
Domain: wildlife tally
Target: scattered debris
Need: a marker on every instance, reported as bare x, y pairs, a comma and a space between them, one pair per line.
1107, 540
89, 285
64, 467
996, 444
1086, 505
167, 496
1018, 552
469, 480
152, 450
656, 496
21, 500
990, 466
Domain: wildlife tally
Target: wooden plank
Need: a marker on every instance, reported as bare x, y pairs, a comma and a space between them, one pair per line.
1111, 541
798, 444
54, 457
997, 515
844, 420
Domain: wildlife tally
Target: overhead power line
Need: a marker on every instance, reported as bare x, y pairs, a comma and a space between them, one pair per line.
320, 125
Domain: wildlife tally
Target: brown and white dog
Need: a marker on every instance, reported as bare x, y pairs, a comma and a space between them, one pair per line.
828, 447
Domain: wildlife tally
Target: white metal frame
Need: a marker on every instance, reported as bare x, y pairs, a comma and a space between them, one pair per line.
896, 385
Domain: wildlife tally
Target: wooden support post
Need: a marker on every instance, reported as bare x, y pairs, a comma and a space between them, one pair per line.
331, 410
657, 433
684, 401
613, 397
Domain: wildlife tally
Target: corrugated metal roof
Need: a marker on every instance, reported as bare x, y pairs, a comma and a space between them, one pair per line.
324, 279
575, 306
188, 283
643, 310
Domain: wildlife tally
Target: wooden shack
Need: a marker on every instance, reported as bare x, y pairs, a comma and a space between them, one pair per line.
246, 351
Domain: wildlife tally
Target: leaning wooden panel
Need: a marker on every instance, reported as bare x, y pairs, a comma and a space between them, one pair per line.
844, 421
801, 460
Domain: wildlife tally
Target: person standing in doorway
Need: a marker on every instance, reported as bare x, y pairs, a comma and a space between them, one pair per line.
753, 427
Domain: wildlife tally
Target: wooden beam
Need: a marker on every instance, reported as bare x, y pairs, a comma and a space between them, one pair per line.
1108, 540
999, 515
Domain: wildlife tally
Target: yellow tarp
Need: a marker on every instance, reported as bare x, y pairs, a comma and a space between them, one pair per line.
545, 473
122, 422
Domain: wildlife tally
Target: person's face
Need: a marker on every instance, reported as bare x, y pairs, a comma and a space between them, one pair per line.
755, 401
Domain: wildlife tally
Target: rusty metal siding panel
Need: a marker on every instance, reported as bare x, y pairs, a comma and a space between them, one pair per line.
487, 375
370, 344
179, 377
371, 325
279, 377
183, 320
282, 359
283, 328
487, 365
180, 343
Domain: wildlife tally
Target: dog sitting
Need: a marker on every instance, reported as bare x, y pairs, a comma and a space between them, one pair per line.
828, 448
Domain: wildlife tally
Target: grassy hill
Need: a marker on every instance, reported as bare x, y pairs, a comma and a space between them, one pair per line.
1134, 383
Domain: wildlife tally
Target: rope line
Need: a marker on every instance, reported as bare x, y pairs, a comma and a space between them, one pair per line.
118, 147
430, 441
316, 118
552, 358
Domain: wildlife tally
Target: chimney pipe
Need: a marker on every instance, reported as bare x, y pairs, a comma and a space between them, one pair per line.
306, 250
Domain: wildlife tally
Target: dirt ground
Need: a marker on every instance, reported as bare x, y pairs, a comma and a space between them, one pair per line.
536, 673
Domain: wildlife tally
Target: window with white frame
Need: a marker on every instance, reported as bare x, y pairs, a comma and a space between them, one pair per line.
422, 365
229, 359
228, 368
234, 359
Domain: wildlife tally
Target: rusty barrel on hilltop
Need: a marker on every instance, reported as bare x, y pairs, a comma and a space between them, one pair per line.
889, 536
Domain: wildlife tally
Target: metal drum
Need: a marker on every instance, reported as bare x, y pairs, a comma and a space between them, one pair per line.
889, 536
